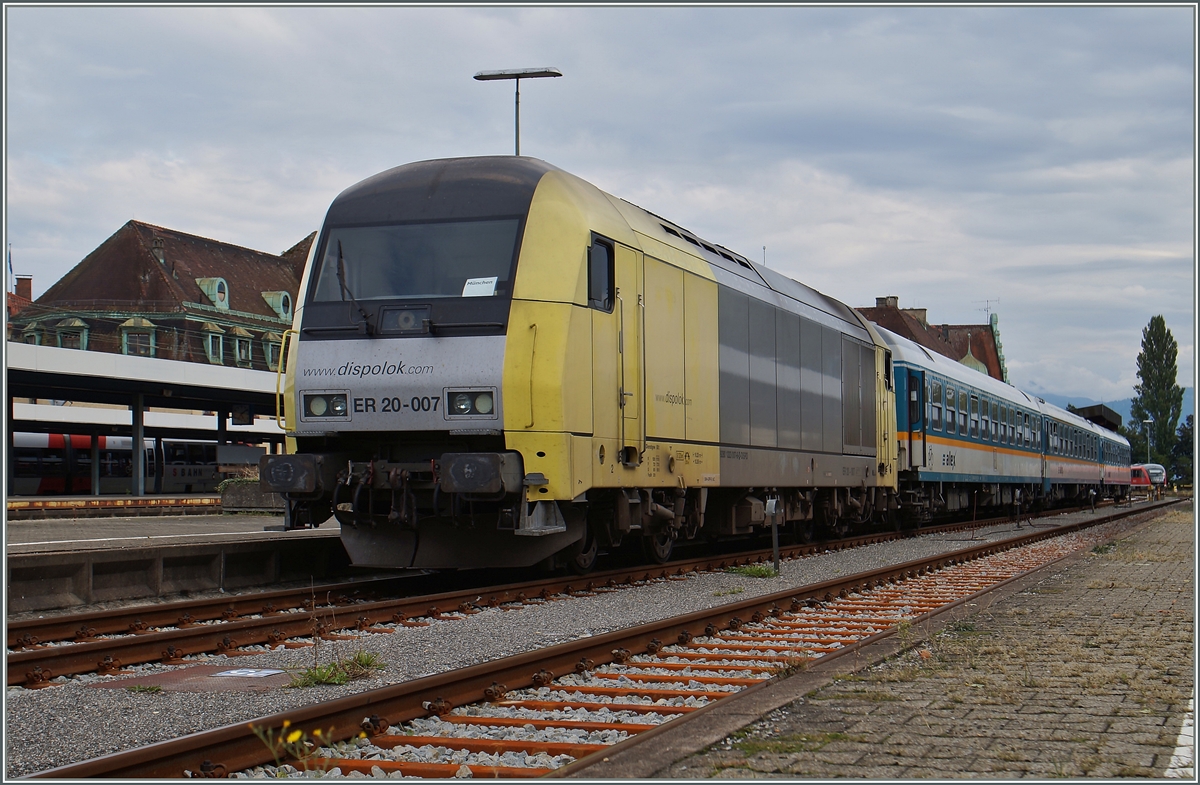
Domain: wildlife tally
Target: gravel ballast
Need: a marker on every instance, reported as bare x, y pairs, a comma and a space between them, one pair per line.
71, 722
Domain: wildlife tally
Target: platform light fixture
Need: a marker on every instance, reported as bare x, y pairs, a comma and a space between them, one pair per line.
517, 75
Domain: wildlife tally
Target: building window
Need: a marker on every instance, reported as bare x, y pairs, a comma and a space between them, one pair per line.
272, 343
214, 343
72, 333
242, 346
137, 337
138, 343
216, 290
243, 351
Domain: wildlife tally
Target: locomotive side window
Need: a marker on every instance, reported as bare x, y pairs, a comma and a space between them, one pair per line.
600, 276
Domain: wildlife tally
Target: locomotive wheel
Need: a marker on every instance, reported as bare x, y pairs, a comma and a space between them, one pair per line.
584, 561
806, 531
658, 547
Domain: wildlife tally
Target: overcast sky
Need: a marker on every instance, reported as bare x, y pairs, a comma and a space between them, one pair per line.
1034, 161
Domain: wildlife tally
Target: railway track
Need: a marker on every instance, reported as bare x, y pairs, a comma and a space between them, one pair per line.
533, 714
106, 642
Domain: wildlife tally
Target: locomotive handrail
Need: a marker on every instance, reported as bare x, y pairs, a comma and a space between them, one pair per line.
279, 377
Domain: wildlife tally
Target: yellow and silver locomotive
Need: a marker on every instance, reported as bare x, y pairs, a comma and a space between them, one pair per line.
497, 364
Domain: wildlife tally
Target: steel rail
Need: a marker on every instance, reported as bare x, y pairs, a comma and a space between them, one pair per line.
25, 633
235, 747
32, 663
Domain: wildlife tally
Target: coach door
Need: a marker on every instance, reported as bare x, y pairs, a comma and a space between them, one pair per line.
916, 419
631, 393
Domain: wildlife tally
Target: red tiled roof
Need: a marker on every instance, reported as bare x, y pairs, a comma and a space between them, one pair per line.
16, 303
948, 340
125, 269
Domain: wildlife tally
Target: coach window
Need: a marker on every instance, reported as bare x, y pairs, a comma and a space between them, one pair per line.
962, 412
985, 429
975, 416
600, 275
950, 416
936, 399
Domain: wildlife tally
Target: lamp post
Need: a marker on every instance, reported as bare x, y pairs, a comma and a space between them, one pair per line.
1148, 423
517, 75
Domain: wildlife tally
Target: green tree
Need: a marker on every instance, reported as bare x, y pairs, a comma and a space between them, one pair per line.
1159, 397
1182, 453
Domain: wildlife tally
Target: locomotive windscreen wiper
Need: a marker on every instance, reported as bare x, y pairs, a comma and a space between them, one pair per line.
341, 276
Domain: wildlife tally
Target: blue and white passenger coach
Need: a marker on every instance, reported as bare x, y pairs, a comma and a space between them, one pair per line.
967, 441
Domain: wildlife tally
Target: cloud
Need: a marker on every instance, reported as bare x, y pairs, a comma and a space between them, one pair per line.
1034, 161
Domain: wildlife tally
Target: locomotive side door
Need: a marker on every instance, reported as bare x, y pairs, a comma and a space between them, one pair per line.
916, 419
631, 379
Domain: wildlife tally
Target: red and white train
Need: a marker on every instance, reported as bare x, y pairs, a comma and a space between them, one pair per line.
54, 463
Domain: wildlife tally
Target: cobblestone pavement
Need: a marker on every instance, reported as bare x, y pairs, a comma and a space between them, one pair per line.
1086, 673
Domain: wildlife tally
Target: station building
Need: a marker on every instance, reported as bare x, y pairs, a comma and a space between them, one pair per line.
976, 346
156, 292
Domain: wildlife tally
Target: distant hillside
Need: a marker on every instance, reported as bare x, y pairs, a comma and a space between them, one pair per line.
1121, 407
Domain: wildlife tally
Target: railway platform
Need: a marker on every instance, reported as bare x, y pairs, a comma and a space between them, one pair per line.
71, 562
1083, 669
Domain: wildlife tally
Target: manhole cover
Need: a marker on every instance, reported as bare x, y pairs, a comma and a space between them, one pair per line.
204, 678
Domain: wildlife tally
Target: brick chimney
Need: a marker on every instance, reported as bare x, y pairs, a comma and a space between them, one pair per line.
25, 286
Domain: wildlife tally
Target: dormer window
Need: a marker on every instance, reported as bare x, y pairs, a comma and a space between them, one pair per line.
137, 337
214, 343
72, 333
272, 342
216, 290
241, 346
280, 302
32, 334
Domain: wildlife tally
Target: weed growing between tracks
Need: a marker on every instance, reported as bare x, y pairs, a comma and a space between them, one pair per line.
298, 748
358, 665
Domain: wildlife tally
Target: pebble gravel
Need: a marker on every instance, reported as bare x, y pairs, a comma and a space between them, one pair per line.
70, 722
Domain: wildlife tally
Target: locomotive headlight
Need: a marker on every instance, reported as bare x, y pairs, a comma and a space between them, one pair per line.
326, 405
476, 404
